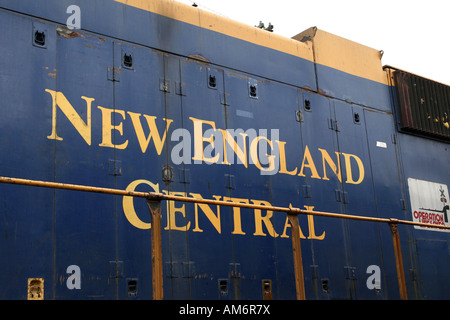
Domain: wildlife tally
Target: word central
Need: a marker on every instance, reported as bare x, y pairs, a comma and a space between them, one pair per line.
180, 218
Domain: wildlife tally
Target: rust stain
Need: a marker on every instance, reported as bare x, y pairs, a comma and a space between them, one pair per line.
53, 75
197, 57
66, 33
322, 92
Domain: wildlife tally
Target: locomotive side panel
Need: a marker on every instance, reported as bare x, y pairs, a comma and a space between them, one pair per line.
168, 107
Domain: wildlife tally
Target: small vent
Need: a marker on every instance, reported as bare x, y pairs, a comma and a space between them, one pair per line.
424, 105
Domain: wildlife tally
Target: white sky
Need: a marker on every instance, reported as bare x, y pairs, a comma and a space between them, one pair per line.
414, 34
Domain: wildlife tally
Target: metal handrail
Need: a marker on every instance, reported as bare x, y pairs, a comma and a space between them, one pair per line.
154, 203
160, 196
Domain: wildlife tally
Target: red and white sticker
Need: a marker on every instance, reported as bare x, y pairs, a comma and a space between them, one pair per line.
429, 203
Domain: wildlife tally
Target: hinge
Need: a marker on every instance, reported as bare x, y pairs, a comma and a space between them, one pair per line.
403, 204
307, 191
332, 124
188, 269
175, 269
184, 175
113, 74
234, 270
172, 269
413, 275
298, 116
345, 197
350, 273
394, 138
338, 195
116, 269
223, 98
114, 167
341, 196
164, 85
180, 88
229, 181
314, 271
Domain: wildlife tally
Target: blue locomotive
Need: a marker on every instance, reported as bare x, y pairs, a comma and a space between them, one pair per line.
161, 98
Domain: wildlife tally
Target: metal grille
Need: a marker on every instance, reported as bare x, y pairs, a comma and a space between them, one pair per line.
423, 105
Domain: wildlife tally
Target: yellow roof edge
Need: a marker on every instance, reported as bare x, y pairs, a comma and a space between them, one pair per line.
345, 55
210, 21
312, 44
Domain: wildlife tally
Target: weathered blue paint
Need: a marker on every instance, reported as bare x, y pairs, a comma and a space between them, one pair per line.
45, 231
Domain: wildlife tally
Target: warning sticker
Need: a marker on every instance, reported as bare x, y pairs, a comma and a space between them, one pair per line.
429, 203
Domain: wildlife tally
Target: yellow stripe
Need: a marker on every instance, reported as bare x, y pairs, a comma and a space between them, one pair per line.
329, 50
346, 55
210, 21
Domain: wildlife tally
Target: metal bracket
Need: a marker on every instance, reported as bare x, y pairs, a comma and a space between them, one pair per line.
116, 269
164, 85
113, 74
350, 273
393, 225
157, 266
332, 124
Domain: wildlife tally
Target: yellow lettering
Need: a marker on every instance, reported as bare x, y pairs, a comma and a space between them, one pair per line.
83, 128
259, 220
237, 214
312, 232
348, 168
107, 128
287, 224
336, 168
128, 205
241, 154
199, 139
309, 164
144, 141
171, 210
214, 219
283, 169
254, 154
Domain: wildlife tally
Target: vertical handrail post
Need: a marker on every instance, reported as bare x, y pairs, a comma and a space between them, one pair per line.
157, 268
297, 256
398, 259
